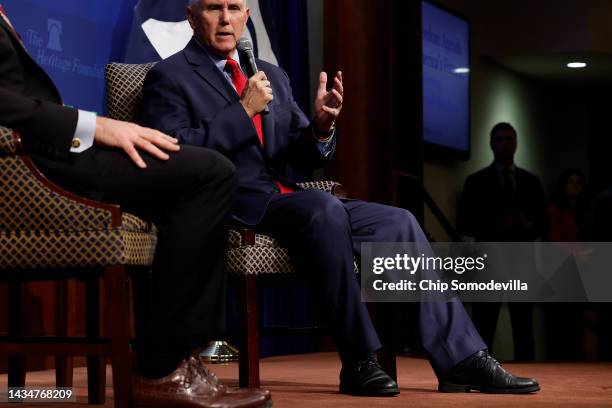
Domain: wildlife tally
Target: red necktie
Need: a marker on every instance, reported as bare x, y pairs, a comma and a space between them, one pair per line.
239, 80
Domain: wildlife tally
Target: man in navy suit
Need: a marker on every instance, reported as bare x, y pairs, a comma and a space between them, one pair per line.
201, 96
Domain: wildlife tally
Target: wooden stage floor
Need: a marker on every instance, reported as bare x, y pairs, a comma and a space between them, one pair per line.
311, 380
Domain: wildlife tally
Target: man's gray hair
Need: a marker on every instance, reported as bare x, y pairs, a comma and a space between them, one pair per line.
195, 3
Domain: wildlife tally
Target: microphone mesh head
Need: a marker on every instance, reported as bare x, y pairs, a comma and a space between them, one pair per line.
244, 44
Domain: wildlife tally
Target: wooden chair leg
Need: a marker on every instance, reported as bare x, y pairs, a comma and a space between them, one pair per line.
16, 364
65, 315
96, 369
249, 333
118, 328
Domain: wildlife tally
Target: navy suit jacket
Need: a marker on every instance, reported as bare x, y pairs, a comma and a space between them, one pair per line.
188, 97
482, 207
30, 103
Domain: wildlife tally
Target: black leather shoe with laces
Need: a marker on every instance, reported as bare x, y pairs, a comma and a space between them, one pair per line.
366, 378
481, 372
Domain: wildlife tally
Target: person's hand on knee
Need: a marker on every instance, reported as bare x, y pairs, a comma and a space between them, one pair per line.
131, 137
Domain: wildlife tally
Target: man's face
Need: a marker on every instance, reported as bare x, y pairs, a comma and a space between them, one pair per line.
503, 144
573, 187
218, 24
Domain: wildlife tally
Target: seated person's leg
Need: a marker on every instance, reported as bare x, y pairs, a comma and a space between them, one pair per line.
315, 227
189, 198
450, 339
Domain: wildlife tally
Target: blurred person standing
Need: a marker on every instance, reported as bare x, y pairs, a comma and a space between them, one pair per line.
567, 208
566, 214
504, 203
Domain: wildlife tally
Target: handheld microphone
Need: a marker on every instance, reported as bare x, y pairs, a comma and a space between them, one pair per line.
245, 48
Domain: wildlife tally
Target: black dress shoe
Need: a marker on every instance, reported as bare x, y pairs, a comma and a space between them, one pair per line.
366, 378
481, 372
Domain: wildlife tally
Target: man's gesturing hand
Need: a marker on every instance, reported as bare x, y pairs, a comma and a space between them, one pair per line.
328, 104
257, 94
130, 136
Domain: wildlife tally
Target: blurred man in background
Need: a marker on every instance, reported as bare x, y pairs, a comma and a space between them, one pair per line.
504, 203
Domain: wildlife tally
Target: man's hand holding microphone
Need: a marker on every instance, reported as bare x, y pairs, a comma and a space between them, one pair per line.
257, 94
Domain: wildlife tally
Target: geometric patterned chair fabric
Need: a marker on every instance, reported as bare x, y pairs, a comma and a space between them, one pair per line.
250, 255
47, 233
43, 228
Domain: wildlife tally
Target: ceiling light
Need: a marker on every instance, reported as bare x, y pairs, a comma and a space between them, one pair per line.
576, 64
461, 70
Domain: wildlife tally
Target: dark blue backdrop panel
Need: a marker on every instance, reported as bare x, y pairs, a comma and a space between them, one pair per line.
73, 40
287, 26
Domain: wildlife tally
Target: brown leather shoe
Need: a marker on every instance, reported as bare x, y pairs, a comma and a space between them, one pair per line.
193, 385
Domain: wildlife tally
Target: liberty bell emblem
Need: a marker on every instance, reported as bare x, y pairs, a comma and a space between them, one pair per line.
54, 28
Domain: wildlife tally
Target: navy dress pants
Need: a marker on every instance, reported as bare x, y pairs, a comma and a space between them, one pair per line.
323, 233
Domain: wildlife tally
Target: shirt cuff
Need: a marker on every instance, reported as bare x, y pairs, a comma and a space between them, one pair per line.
85, 130
326, 146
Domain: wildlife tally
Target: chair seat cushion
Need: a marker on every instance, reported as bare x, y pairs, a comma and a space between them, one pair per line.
265, 257
133, 243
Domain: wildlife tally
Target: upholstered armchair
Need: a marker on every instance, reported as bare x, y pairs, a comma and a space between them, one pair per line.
47, 233
255, 260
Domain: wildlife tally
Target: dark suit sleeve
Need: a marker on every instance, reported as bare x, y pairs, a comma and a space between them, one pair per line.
167, 110
308, 154
44, 126
467, 218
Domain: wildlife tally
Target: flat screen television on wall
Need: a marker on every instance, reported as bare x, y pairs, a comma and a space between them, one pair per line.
446, 82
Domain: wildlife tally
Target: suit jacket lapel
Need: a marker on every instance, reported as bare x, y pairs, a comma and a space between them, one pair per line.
207, 70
